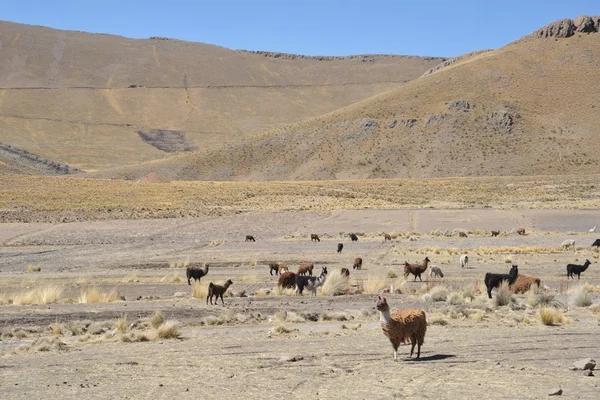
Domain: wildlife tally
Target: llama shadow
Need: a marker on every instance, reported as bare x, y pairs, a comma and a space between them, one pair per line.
434, 357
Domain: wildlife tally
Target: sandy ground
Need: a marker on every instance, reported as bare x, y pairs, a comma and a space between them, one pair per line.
500, 356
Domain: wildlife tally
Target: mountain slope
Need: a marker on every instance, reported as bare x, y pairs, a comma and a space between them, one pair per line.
528, 108
98, 101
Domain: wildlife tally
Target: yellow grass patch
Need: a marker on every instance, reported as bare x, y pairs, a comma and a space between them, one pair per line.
168, 330
47, 294
199, 290
94, 295
374, 284
33, 268
335, 284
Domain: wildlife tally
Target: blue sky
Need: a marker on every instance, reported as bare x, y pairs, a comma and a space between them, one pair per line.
426, 27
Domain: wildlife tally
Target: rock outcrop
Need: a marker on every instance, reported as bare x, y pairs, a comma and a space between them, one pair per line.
565, 28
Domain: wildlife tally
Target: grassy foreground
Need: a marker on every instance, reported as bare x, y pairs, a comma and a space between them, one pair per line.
35, 198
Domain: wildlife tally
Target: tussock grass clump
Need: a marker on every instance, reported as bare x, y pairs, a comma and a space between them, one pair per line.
199, 290
591, 288
56, 328
436, 293
336, 285
503, 295
469, 293
156, 319
391, 274
176, 278
94, 295
478, 316
47, 294
551, 316
455, 298
33, 268
581, 297
168, 330
374, 284
334, 316
121, 324
280, 329
437, 320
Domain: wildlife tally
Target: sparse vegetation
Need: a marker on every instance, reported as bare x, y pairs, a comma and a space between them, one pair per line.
374, 284
94, 295
335, 285
503, 295
581, 297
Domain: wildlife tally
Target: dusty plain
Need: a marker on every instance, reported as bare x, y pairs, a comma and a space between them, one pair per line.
473, 348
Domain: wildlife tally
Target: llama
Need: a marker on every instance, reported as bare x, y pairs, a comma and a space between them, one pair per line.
345, 272
314, 237
577, 269
340, 247
464, 261
310, 282
524, 283
495, 280
357, 263
402, 326
304, 269
495, 233
521, 231
462, 234
278, 268
416, 269
217, 291
195, 273
596, 243
250, 238
568, 243
386, 237
436, 271
353, 237
287, 280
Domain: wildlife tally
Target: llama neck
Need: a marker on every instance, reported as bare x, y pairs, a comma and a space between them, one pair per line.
226, 285
585, 266
385, 317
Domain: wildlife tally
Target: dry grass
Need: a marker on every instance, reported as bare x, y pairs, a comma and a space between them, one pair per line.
56, 328
175, 278
436, 293
47, 294
455, 298
33, 268
168, 330
551, 316
374, 284
121, 324
156, 319
43, 196
94, 295
281, 291
199, 290
391, 274
581, 297
503, 295
247, 279
335, 285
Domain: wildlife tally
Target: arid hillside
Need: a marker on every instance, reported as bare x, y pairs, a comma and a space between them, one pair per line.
529, 108
97, 101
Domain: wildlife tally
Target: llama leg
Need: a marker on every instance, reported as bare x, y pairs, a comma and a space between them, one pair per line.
413, 342
222, 302
489, 293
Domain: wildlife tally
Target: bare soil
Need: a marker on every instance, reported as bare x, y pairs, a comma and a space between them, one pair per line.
508, 353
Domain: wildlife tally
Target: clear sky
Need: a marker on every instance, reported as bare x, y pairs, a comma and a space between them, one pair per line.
336, 27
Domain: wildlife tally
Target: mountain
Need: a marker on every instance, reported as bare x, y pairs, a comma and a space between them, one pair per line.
529, 108
96, 101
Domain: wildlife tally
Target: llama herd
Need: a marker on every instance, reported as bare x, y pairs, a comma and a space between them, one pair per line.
399, 326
